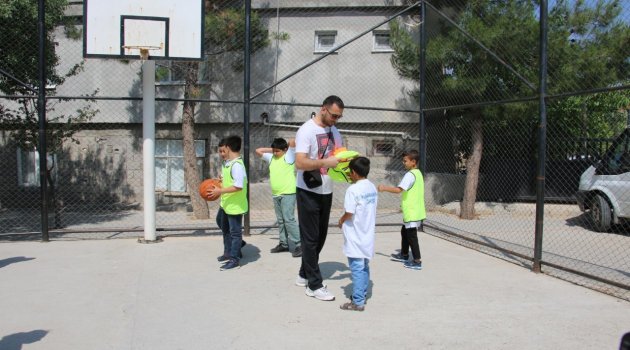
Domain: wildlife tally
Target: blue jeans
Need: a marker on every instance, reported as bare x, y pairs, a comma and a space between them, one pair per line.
231, 226
284, 206
360, 270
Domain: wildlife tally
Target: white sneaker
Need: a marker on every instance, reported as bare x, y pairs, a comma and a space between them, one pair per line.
321, 294
300, 282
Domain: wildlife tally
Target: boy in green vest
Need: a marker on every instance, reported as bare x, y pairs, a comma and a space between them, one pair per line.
233, 201
281, 159
412, 204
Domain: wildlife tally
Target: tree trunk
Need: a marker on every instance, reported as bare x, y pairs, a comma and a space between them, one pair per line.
199, 205
467, 206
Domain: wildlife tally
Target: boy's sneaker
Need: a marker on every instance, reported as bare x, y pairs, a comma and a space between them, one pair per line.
413, 265
230, 265
279, 249
321, 294
352, 307
224, 258
399, 257
297, 252
300, 282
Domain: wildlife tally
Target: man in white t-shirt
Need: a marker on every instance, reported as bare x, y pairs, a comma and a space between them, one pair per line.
315, 142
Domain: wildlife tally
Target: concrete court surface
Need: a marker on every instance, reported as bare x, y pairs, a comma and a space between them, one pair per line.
119, 294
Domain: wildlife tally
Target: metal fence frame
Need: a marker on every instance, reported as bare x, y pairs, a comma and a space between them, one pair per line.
542, 98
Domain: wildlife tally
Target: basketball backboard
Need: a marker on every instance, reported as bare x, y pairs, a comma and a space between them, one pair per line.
120, 28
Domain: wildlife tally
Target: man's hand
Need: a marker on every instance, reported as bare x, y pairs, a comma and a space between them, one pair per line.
330, 162
302, 162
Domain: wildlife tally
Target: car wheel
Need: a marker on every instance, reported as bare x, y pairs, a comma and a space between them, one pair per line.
601, 215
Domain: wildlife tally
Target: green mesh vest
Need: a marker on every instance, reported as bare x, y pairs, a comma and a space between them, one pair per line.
413, 199
236, 202
281, 176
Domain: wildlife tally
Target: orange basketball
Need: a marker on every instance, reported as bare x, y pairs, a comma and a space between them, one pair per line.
208, 185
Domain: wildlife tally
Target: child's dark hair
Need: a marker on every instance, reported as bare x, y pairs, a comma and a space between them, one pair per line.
232, 142
412, 155
280, 143
360, 165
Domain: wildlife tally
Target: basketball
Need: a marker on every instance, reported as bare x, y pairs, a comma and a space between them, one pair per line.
208, 185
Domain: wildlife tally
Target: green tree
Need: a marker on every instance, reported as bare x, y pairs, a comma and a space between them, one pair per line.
583, 118
18, 57
588, 49
225, 34
459, 71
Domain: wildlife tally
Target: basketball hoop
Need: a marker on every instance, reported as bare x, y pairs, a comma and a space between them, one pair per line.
144, 50
121, 29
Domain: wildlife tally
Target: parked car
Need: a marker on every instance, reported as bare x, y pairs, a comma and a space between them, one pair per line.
604, 190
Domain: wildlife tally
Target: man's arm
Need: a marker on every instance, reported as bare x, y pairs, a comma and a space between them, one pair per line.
302, 162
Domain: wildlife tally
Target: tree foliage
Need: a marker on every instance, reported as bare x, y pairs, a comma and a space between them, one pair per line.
19, 44
19, 57
588, 48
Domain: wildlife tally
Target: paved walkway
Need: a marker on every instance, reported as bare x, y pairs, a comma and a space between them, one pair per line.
119, 294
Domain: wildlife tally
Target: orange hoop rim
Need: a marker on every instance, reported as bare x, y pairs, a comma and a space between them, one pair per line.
144, 49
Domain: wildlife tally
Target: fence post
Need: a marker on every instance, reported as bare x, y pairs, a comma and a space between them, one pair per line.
246, 105
423, 54
41, 106
542, 139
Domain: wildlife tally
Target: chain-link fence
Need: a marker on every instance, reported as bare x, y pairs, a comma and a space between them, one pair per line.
463, 74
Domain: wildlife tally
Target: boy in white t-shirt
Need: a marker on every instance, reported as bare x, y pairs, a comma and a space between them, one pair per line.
358, 224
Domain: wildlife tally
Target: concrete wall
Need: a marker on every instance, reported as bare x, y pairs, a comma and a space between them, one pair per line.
440, 188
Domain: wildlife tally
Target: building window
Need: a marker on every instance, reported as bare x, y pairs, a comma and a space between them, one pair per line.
383, 147
325, 40
167, 72
28, 167
381, 41
169, 164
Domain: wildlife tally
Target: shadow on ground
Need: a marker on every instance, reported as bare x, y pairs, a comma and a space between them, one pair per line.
16, 259
16, 340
